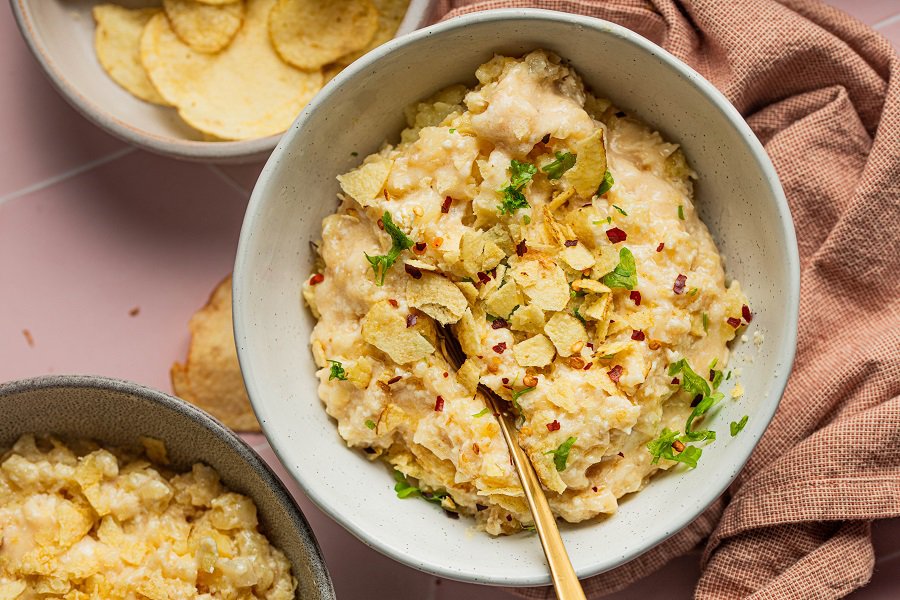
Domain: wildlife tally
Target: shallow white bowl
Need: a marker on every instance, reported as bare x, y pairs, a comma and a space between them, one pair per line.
739, 197
60, 34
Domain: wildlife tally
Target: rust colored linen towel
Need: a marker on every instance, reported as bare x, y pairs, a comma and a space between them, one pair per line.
822, 93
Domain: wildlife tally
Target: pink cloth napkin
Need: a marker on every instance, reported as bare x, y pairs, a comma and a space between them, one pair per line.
822, 92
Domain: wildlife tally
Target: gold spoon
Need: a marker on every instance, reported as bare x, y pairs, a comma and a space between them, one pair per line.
565, 582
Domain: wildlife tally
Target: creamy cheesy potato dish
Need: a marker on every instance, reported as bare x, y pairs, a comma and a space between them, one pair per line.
81, 521
555, 237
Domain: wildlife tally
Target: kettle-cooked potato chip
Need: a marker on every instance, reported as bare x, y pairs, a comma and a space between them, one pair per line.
117, 42
310, 34
590, 165
211, 376
245, 91
390, 15
204, 27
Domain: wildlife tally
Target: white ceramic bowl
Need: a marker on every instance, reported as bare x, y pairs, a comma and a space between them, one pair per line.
740, 199
60, 34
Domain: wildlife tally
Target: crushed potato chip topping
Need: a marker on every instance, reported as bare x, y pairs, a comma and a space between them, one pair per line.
505, 193
80, 520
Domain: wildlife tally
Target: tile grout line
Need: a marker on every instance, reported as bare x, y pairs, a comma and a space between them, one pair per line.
886, 22
79, 170
218, 172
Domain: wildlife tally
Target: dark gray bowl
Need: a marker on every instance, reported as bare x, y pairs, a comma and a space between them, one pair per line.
117, 412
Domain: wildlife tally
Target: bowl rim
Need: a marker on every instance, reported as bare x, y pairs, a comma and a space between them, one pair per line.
235, 151
322, 579
718, 481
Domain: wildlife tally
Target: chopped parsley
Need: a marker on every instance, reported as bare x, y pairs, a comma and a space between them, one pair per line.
561, 454
337, 371
515, 402
527, 219
520, 174
452, 130
370, 423
564, 161
620, 210
625, 273
661, 447
737, 426
399, 243
483, 412
405, 489
606, 184
681, 212
520, 393
705, 323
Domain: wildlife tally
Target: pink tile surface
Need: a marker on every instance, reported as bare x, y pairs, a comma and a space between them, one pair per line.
43, 136
90, 230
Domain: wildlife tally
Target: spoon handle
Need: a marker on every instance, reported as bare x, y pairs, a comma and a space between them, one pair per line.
565, 582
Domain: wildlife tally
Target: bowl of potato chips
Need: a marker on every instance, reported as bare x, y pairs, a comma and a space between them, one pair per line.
203, 80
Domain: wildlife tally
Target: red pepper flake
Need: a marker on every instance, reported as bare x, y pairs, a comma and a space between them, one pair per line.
745, 312
675, 381
620, 455
483, 277
545, 139
616, 235
316, 279
493, 273
660, 247
505, 380
499, 323
712, 374
615, 373
419, 248
411, 319
554, 426
678, 446
590, 345
499, 348
734, 322
475, 448
445, 207
678, 288
635, 297
594, 488
588, 366
509, 517
521, 248
446, 374
571, 243
439, 404
394, 379
637, 335
412, 271
393, 302
380, 223
696, 400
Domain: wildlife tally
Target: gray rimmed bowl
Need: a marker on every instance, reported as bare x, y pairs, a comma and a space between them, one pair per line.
60, 34
738, 196
116, 412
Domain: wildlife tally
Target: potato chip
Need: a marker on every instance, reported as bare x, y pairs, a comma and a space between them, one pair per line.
385, 328
468, 334
437, 297
204, 27
390, 15
567, 333
577, 257
364, 184
504, 300
245, 91
536, 351
469, 374
309, 34
596, 307
478, 254
590, 165
561, 198
211, 376
117, 42
527, 318
469, 290
545, 284
589, 285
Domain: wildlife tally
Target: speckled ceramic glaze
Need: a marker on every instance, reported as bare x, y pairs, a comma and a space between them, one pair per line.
739, 198
117, 412
60, 34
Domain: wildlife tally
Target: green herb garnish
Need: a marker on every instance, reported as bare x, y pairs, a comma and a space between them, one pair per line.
564, 161
737, 426
337, 371
520, 173
625, 273
681, 212
452, 130
527, 219
520, 393
606, 184
399, 243
482, 412
370, 423
405, 489
620, 210
661, 447
705, 323
561, 454
578, 315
